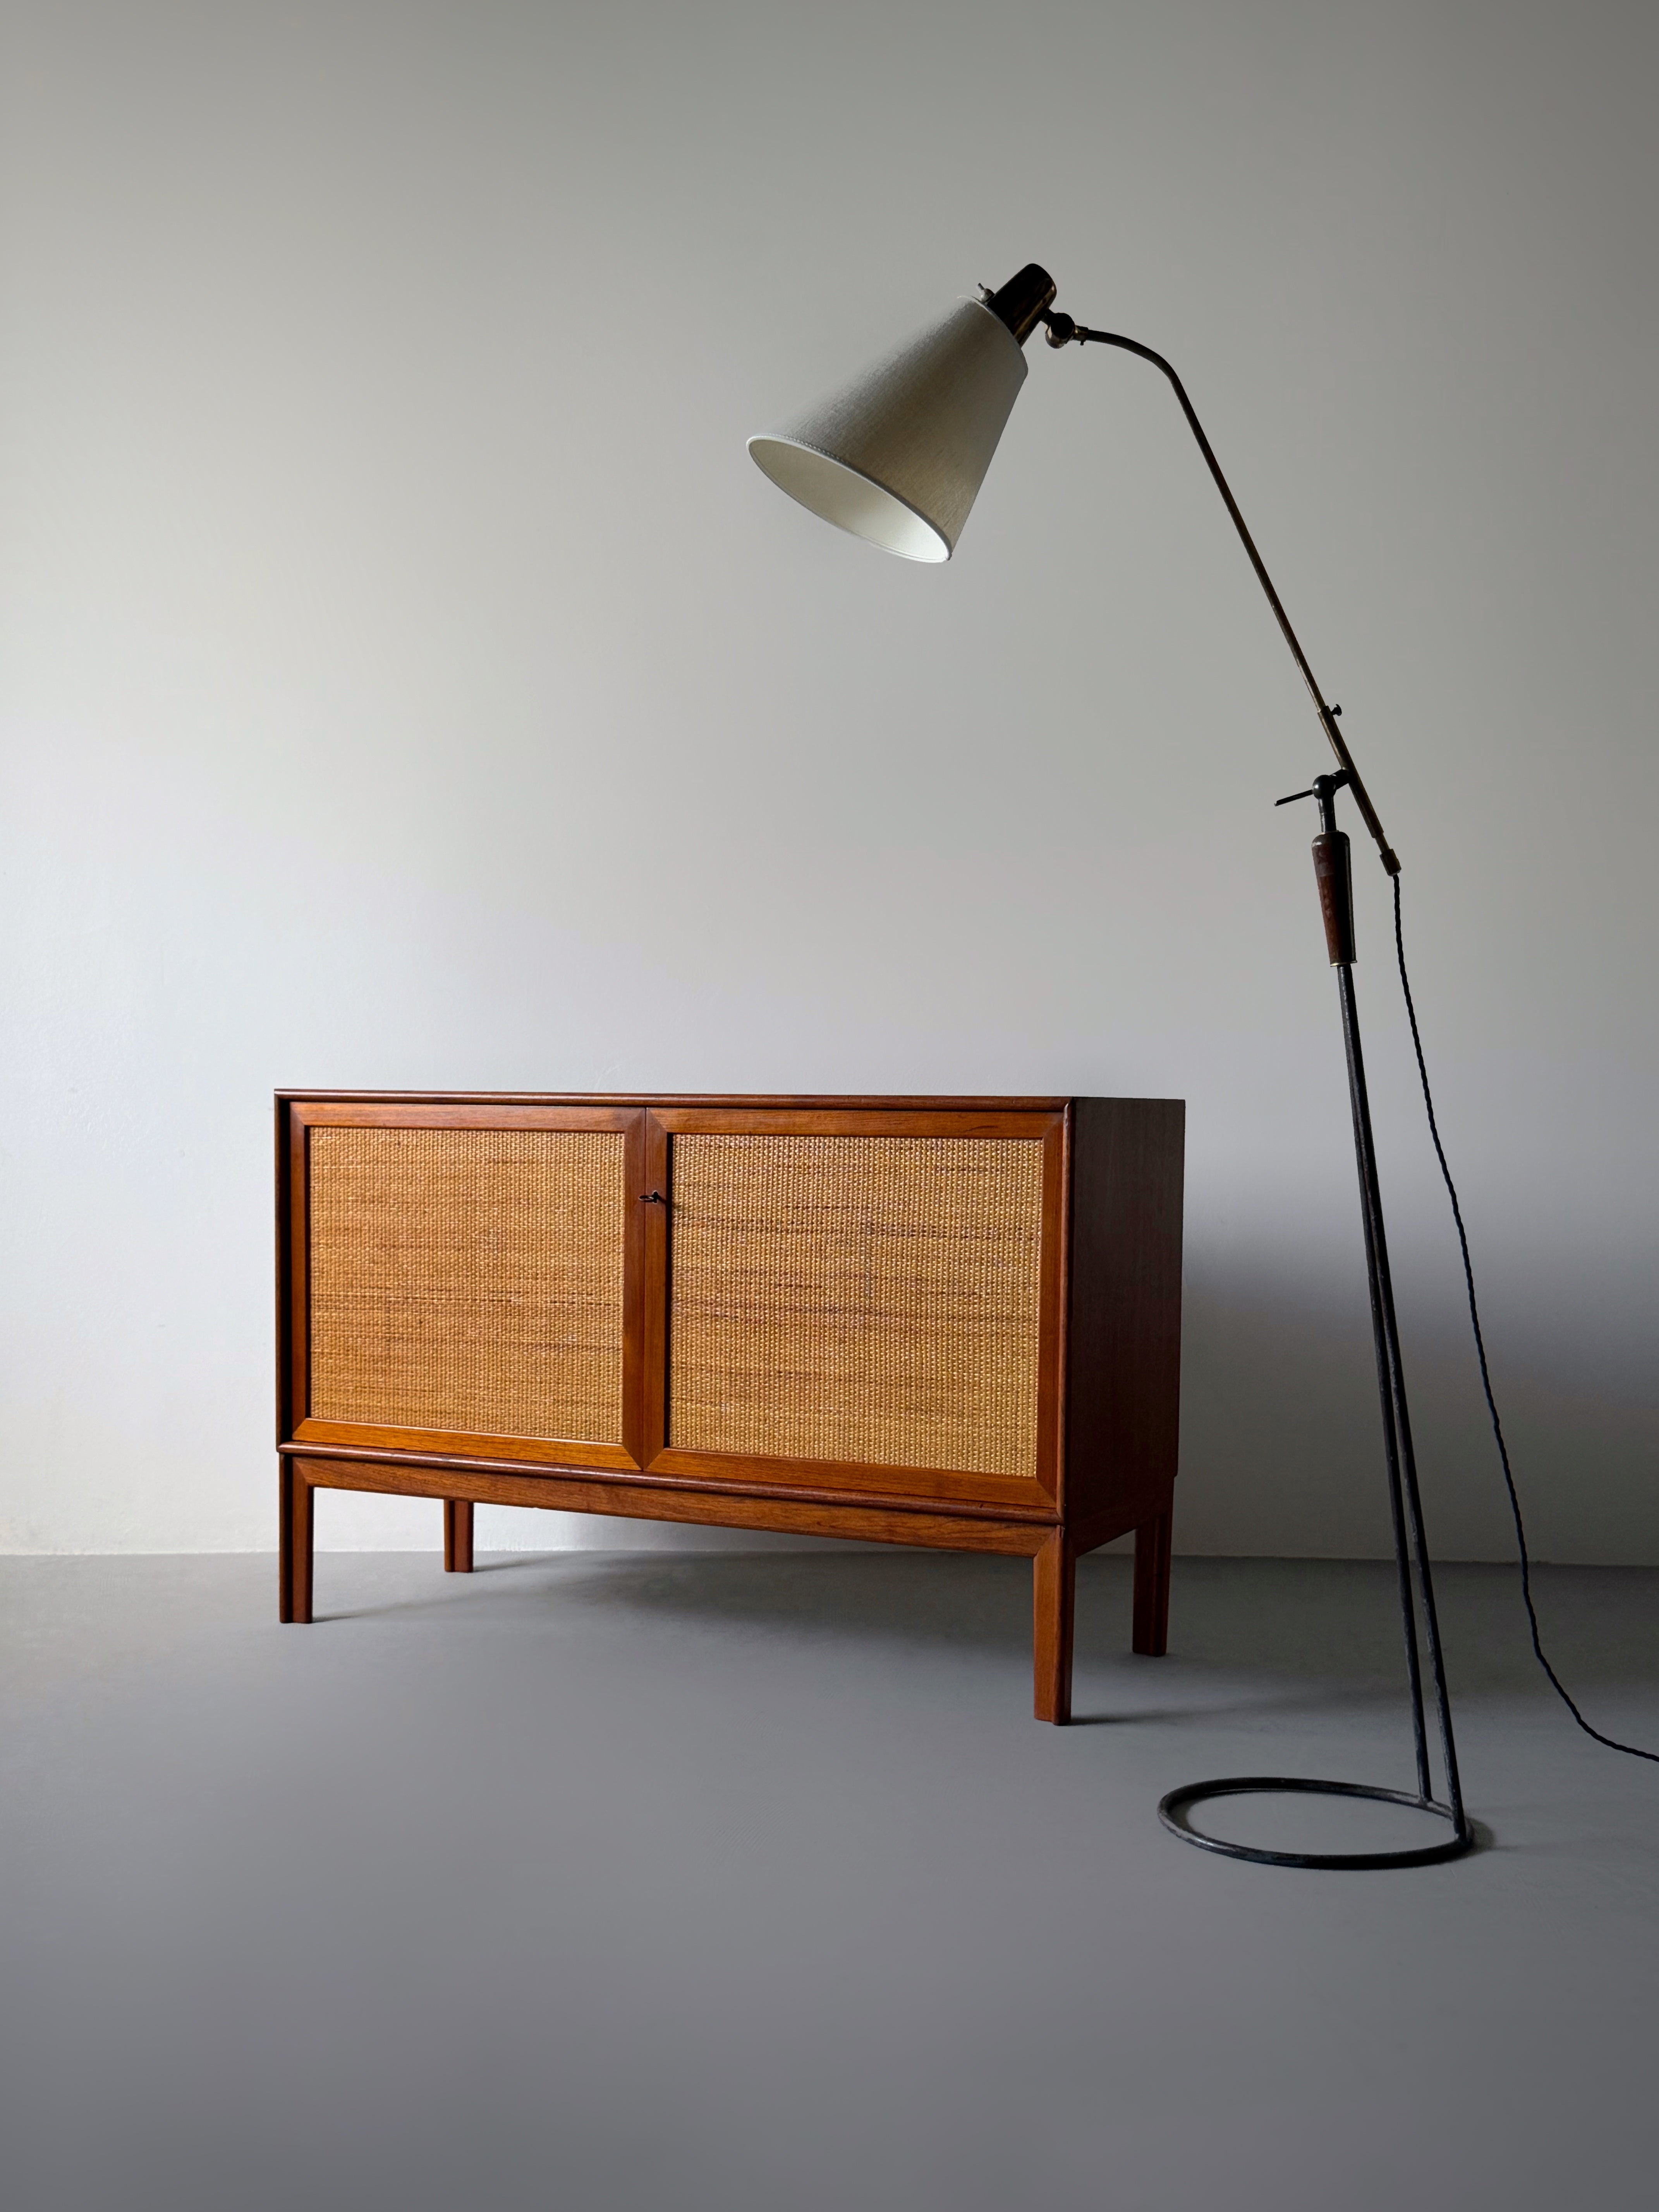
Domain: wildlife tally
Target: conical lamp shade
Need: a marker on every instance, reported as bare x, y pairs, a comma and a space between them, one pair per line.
898, 455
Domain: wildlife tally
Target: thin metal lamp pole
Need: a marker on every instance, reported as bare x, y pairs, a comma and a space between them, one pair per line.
1333, 872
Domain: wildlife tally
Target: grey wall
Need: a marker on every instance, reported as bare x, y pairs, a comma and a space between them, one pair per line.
407, 679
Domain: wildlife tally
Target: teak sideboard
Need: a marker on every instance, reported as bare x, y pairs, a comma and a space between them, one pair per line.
946, 1322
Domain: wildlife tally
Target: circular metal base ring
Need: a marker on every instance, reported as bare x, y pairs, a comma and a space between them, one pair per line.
1173, 1810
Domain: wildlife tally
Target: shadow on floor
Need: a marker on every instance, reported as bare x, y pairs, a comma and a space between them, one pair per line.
1333, 1622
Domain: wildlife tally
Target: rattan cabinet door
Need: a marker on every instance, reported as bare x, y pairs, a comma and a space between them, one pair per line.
466, 1283
865, 1300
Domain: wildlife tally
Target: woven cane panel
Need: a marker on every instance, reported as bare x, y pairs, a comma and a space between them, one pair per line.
866, 1298
469, 1280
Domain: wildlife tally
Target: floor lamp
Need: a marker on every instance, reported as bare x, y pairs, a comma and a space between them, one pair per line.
897, 456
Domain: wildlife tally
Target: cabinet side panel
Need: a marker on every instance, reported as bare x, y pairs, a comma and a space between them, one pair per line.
285, 1416
1123, 1408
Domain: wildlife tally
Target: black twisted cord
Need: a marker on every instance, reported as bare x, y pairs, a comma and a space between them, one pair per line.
1635, 1751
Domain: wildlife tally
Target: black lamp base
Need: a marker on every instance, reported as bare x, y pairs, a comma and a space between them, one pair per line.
1173, 1808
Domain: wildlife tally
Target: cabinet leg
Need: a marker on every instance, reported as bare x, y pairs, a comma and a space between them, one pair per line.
457, 1535
295, 1539
1151, 1628
1053, 1586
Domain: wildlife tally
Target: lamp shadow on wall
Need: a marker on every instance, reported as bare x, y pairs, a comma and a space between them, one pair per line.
1280, 1454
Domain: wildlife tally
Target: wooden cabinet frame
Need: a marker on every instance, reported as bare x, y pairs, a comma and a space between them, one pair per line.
1108, 1360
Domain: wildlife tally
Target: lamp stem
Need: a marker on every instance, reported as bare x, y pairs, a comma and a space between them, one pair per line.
1078, 333
1411, 1550
1331, 866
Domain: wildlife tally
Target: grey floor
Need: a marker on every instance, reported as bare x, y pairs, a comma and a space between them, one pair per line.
735, 1881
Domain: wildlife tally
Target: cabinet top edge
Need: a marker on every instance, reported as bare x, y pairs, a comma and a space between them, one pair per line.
878, 1102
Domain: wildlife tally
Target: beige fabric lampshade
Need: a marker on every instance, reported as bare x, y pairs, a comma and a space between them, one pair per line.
897, 456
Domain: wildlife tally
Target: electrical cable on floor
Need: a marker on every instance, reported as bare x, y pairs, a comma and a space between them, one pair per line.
1634, 1750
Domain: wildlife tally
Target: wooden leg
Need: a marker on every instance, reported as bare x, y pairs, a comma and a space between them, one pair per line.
1151, 1628
294, 1573
1053, 1585
457, 1535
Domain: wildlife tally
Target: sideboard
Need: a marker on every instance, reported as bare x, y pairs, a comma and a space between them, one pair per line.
946, 1322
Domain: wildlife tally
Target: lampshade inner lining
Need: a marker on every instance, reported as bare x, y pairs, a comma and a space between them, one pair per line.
851, 501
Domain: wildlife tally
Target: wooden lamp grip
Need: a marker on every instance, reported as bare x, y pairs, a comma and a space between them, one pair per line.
1335, 876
